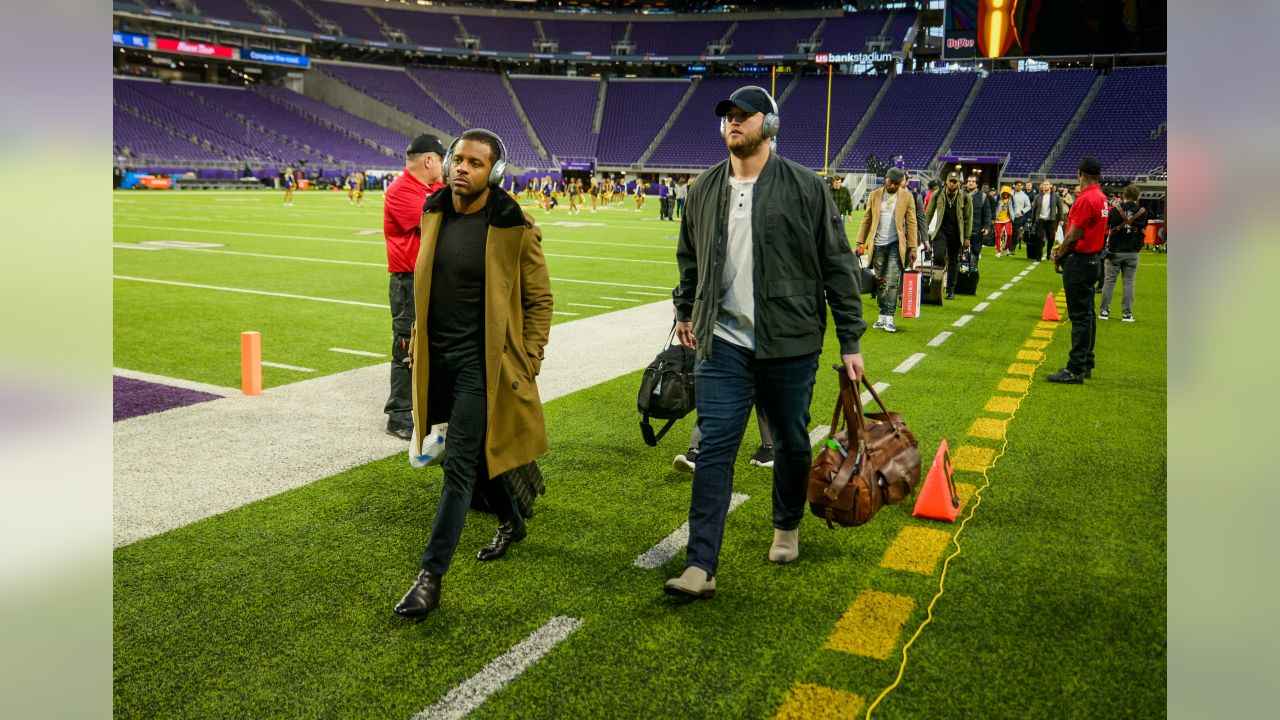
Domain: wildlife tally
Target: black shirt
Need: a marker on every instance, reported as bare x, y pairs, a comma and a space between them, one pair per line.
950, 217
456, 313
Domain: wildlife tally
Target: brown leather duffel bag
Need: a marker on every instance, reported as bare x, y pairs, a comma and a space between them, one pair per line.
873, 461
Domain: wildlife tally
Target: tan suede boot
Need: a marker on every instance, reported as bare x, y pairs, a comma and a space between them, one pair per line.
693, 582
786, 546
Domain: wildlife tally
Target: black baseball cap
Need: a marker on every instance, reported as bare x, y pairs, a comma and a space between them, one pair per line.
425, 143
748, 99
1091, 166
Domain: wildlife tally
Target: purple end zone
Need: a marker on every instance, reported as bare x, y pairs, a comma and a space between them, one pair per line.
137, 397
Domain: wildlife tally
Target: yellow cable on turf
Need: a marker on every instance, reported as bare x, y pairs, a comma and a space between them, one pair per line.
955, 539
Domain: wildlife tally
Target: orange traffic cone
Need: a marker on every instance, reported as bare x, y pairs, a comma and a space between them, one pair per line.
938, 499
1050, 310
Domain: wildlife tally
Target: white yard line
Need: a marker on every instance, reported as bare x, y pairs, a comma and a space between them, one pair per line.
880, 388
282, 366
1015, 279
565, 312
470, 695
362, 353
613, 284
249, 292
980, 307
601, 307
176, 382
818, 433
659, 554
134, 246
962, 321
617, 299
649, 294
1006, 286
941, 338
611, 259
336, 419
273, 236
993, 296
909, 363
276, 257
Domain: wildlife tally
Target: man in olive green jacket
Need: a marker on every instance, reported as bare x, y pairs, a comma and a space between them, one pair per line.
762, 254
949, 217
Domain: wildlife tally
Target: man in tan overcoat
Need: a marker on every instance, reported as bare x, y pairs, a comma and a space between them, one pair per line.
483, 300
888, 232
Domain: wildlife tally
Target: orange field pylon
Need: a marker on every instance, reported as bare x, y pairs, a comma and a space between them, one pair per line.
251, 363
938, 499
1050, 310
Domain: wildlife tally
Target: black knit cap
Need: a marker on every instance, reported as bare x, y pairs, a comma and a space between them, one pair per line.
425, 143
1091, 166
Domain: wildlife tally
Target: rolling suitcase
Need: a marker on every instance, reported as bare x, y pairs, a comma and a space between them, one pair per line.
931, 280
967, 277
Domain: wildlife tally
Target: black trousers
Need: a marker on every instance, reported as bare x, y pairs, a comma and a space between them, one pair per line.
457, 392
399, 407
1079, 273
946, 250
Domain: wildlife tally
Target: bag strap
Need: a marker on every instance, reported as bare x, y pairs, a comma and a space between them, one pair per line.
646, 430
850, 406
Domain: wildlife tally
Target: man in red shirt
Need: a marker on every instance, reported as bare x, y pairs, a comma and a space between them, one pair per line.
401, 221
1078, 258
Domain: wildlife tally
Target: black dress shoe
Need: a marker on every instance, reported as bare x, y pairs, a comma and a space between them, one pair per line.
404, 432
1087, 375
1065, 377
509, 532
951, 296
422, 598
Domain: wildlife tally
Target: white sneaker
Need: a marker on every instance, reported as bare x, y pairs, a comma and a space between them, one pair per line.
786, 546
879, 323
1127, 317
1104, 315
889, 326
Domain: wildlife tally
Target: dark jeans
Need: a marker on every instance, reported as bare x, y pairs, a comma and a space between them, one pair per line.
399, 407
725, 386
679, 207
664, 208
1079, 274
457, 392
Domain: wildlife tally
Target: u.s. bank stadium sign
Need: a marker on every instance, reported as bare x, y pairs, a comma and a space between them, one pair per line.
825, 58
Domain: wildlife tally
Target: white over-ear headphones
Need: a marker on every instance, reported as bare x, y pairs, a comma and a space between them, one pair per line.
772, 122
499, 164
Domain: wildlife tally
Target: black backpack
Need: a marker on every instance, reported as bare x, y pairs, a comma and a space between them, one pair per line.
666, 389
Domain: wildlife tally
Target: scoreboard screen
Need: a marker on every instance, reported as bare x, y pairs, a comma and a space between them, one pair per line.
1042, 28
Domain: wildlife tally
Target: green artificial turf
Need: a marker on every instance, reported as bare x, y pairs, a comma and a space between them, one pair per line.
1056, 607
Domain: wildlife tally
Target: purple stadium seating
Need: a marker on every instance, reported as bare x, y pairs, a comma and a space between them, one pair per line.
434, 29
395, 88
312, 108
911, 120
169, 105
151, 142
292, 15
291, 125
229, 10
1041, 104
770, 36
561, 111
584, 36
804, 115
479, 96
694, 139
676, 38
634, 111
503, 34
898, 28
1117, 128
850, 33
354, 20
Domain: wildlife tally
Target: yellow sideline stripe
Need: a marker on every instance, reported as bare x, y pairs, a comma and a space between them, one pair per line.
916, 549
1004, 404
1045, 334
1036, 344
1032, 355
872, 624
806, 701
971, 458
988, 429
969, 453
1021, 369
1046, 325
1014, 385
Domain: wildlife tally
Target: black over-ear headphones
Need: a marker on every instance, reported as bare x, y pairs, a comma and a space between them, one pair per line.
772, 122
499, 164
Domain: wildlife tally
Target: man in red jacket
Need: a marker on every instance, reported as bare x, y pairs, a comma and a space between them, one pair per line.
401, 219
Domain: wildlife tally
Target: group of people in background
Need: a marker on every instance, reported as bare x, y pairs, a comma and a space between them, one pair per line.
606, 192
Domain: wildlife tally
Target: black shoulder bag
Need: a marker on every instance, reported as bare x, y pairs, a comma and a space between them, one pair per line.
666, 389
